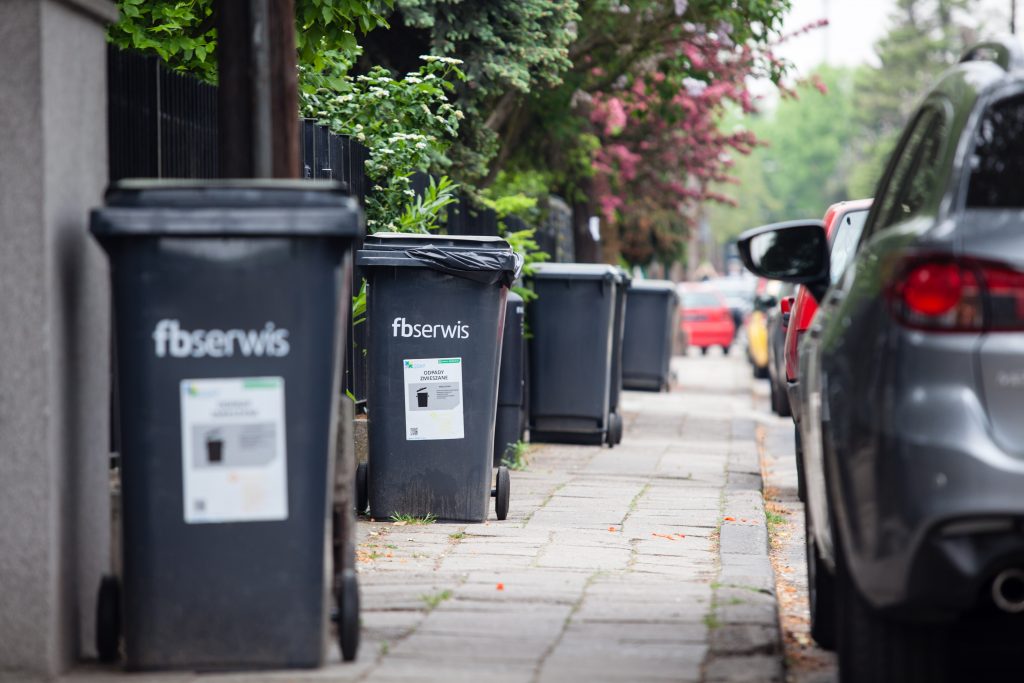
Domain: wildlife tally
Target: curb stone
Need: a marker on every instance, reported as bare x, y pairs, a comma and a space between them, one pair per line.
745, 641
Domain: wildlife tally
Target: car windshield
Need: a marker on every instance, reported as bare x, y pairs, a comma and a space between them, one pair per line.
845, 237
696, 299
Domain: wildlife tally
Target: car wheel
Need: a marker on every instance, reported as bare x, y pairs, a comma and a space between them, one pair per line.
725, 350
774, 397
801, 484
821, 593
874, 648
760, 373
703, 350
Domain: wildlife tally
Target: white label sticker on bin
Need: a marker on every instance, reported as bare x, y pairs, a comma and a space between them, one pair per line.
233, 458
433, 399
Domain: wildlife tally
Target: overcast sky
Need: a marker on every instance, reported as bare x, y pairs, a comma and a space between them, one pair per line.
855, 25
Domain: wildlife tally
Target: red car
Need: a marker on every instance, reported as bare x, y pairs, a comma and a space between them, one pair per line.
706, 319
843, 225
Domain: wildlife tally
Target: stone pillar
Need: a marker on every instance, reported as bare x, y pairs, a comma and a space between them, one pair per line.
54, 332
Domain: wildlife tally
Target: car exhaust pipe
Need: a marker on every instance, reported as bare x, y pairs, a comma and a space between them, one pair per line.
1008, 590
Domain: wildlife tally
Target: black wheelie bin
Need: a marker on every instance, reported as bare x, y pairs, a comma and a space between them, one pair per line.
651, 320
572, 339
435, 313
230, 302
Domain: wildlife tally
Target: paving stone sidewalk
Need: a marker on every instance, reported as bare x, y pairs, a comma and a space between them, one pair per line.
607, 569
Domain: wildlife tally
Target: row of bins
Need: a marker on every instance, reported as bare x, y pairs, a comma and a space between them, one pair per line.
593, 332
231, 301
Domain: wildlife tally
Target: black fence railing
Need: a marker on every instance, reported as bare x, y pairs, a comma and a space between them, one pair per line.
161, 124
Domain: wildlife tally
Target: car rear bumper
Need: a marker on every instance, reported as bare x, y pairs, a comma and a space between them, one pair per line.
936, 511
709, 335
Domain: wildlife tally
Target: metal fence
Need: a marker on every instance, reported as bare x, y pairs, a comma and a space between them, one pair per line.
161, 124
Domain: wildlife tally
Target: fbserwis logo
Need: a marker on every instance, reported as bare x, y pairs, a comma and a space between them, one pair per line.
170, 338
400, 328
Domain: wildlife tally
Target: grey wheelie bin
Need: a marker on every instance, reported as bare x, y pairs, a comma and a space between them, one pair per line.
615, 424
570, 349
230, 303
435, 311
511, 420
651, 320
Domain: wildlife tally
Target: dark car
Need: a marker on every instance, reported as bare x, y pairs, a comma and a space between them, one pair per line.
912, 388
778, 323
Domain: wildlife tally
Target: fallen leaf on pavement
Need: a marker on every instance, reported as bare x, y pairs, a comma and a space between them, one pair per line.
501, 586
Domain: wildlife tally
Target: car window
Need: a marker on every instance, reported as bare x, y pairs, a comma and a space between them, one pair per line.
914, 171
845, 237
997, 164
701, 300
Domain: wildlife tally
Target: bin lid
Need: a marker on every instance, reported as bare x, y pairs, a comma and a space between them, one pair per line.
624, 275
654, 287
481, 258
233, 207
577, 271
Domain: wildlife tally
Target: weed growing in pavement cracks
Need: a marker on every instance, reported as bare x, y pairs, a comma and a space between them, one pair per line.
432, 600
516, 460
774, 518
384, 648
410, 520
457, 536
711, 620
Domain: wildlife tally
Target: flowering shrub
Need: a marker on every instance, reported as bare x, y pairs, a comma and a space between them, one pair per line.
406, 123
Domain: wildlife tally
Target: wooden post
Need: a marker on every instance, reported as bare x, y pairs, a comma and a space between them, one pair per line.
258, 89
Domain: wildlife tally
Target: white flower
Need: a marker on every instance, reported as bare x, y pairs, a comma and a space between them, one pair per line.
421, 145
409, 193
378, 188
459, 115
414, 80
693, 86
430, 77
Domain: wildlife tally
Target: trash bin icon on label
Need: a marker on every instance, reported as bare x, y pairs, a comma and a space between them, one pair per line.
214, 447
422, 397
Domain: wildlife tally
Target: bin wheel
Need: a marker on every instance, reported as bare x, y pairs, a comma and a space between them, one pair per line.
501, 493
108, 619
348, 615
362, 490
703, 350
614, 429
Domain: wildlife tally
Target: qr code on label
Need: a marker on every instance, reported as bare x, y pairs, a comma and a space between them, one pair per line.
414, 431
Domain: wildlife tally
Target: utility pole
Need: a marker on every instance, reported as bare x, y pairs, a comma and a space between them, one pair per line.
1013, 16
258, 92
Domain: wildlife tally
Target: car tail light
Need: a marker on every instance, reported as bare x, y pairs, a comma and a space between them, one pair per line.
946, 294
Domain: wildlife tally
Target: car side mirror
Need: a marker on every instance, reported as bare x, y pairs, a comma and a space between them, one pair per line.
794, 251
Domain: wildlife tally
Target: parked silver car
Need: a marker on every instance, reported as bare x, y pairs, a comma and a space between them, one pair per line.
912, 387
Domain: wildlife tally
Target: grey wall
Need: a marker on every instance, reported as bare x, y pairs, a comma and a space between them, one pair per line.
54, 331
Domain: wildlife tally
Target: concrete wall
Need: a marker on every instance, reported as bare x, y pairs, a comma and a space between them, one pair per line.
54, 331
